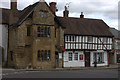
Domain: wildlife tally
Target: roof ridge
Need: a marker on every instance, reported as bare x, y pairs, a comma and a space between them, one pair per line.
79, 18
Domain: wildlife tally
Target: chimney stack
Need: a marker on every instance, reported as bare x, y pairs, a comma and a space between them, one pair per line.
13, 4
81, 16
53, 7
66, 12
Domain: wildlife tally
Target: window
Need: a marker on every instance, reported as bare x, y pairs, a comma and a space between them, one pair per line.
76, 56
45, 31
105, 39
28, 31
42, 30
42, 55
11, 55
65, 45
42, 14
48, 32
99, 57
55, 32
73, 38
38, 55
70, 38
70, 57
45, 14
49, 55
89, 39
38, 32
45, 55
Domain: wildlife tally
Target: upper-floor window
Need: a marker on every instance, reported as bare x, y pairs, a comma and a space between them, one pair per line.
48, 32
28, 31
43, 31
55, 32
42, 14
89, 39
45, 14
38, 31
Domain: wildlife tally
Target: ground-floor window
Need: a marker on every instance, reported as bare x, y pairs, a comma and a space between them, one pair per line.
76, 56
70, 56
43, 55
99, 57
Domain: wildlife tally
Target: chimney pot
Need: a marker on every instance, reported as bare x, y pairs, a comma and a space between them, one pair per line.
53, 7
66, 12
81, 16
13, 4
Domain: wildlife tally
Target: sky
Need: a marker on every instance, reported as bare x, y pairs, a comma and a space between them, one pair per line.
106, 10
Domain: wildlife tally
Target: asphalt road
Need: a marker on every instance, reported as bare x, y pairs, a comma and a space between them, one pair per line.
90, 73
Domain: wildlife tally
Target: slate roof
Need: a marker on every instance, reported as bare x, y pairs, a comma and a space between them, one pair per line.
85, 26
115, 32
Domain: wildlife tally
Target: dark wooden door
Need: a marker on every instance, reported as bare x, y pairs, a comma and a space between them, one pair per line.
87, 59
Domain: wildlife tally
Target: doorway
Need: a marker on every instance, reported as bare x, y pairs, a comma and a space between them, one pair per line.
56, 59
87, 59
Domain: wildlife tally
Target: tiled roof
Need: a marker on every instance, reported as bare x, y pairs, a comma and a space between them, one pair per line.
84, 26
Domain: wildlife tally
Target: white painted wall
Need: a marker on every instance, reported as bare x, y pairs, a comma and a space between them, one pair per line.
105, 59
73, 63
4, 38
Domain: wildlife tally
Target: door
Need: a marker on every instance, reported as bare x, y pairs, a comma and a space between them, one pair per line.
56, 59
87, 59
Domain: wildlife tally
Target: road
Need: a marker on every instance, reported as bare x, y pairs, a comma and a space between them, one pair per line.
87, 73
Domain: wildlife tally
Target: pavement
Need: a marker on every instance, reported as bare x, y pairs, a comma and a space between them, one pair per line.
110, 71
111, 66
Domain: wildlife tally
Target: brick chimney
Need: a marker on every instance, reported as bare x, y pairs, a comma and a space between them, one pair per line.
53, 7
81, 16
66, 12
13, 4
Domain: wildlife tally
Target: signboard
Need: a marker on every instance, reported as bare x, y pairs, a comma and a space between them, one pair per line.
60, 55
81, 56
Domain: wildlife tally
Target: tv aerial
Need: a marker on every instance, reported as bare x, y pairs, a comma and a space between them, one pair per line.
68, 4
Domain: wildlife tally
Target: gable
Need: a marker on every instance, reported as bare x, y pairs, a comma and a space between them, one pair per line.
43, 15
30, 9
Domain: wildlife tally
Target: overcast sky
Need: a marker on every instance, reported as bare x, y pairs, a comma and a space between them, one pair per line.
106, 10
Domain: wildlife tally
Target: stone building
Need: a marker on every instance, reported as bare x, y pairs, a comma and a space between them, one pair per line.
35, 37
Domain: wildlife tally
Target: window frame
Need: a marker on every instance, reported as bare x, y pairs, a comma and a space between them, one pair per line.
28, 30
